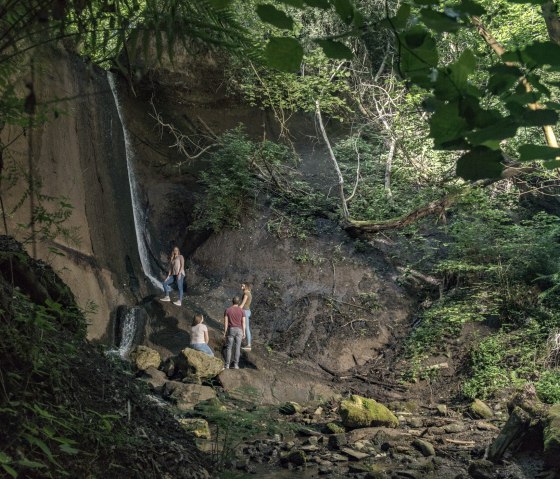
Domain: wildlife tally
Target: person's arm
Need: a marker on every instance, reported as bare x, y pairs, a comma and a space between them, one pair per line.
244, 300
243, 322
225, 324
182, 264
206, 336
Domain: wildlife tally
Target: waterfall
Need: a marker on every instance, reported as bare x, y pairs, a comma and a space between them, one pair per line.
128, 331
128, 325
140, 218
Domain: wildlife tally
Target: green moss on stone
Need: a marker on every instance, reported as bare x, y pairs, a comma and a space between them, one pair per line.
359, 412
481, 410
552, 436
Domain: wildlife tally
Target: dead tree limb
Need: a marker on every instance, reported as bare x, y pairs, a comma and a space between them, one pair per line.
343, 204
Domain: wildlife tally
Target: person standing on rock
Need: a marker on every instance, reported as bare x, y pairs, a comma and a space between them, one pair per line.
234, 331
246, 307
176, 273
199, 336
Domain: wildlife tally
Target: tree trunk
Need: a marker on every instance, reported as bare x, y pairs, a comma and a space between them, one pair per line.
343, 204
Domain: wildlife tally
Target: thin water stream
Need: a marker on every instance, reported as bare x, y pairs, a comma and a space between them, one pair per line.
140, 219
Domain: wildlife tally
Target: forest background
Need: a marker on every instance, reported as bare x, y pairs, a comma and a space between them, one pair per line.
442, 132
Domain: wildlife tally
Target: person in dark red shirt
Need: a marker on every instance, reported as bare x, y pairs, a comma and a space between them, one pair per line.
234, 331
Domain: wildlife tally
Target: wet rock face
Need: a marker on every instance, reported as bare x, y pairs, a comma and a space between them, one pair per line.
79, 156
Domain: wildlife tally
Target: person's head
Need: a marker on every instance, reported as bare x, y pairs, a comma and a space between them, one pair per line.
235, 300
197, 319
246, 287
175, 252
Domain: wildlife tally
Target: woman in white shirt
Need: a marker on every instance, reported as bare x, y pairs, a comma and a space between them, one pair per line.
199, 335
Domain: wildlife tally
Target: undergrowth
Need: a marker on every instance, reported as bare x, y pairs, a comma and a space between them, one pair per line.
501, 271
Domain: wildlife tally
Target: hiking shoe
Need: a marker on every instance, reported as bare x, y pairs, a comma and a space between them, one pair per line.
177, 303
246, 348
165, 298
226, 366
235, 366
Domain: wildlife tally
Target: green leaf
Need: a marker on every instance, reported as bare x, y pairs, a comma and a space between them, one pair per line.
220, 4
269, 14
335, 50
539, 118
438, 21
538, 152
551, 165
324, 4
345, 10
543, 53
480, 163
493, 134
10, 470
452, 81
470, 7
447, 125
418, 54
503, 77
31, 464
532, 2
400, 20
4, 458
292, 3
69, 449
284, 53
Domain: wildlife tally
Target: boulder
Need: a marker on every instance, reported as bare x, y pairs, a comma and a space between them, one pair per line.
198, 427
552, 437
480, 410
358, 412
144, 357
334, 428
290, 408
155, 378
197, 365
426, 448
187, 396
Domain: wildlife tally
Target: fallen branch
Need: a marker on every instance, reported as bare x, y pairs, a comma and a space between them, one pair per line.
462, 443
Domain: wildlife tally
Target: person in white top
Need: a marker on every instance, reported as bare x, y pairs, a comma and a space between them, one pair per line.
176, 273
199, 335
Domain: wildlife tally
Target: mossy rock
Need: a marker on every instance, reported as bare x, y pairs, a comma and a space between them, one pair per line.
335, 428
144, 357
480, 410
198, 365
198, 427
552, 436
290, 408
359, 412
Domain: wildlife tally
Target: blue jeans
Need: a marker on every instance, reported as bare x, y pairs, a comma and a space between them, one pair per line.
174, 277
202, 347
234, 335
247, 326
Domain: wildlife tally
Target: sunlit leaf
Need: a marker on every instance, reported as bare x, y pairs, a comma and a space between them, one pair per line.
284, 53
269, 14
480, 163
335, 50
